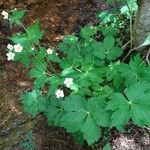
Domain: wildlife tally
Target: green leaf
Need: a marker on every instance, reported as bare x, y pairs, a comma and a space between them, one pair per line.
41, 81
135, 106
16, 16
77, 136
137, 70
33, 102
23, 57
39, 73
110, 30
96, 107
138, 91
91, 132
67, 71
74, 103
147, 40
22, 39
87, 116
132, 4
114, 53
55, 81
54, 112
74, 108
113, 74
99, 50
121, 112
70, 39
106, 17
103, 91
109, 42
35, 33
107, 147
28, 143
88, 31
140, 114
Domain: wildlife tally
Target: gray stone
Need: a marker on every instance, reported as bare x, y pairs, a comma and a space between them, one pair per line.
142, 22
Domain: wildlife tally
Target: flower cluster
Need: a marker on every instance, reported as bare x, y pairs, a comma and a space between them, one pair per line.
68, 82
12, 49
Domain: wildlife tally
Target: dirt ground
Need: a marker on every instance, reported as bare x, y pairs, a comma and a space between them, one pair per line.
58, 17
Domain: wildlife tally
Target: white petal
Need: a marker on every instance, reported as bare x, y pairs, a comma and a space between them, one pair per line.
59, 93
10, 56
5, 15
49, 51
10, 47
18, 48
68, 82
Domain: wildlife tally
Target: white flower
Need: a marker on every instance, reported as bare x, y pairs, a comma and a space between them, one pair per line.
10, 47
68, 82
18, 48
49, 51
5, 15
32, 48
59, 93
10, 56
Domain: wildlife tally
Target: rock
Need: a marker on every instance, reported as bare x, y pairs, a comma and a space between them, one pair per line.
142, 22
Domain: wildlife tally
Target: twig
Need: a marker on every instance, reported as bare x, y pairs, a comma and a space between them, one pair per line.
125, 45
147, 128
131, 50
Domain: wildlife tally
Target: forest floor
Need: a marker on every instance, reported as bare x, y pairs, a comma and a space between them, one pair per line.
57, 18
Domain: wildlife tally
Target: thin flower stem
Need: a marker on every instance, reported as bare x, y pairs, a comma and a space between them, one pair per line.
131, 26
125, 45
52, 68
34, 54
78, 70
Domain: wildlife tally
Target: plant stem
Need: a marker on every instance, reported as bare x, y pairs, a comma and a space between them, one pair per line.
125, 45
34, 54
131, 26
131, 50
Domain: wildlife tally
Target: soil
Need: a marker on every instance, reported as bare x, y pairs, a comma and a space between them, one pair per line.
57, 18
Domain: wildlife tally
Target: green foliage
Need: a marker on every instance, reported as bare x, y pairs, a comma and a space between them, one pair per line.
134, 105
120, 16
28, 143
135, 71
107, 147
33, 102
34, 33
147, 40
85, 117
16, 16
131, 7
85, 87
54, 112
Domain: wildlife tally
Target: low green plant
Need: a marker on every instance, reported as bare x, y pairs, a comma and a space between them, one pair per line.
28, 143
91, 89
